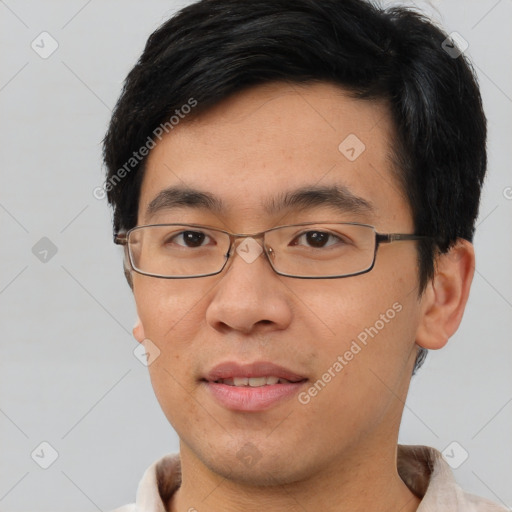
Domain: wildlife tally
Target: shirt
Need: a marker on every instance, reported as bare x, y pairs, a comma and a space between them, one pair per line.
422, 469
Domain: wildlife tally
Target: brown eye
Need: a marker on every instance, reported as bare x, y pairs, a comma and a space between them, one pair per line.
189, 238
316, 239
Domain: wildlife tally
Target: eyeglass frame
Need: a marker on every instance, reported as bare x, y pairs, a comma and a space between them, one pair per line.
380, 238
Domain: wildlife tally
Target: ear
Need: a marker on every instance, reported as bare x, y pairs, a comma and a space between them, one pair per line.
446, 295
138, 331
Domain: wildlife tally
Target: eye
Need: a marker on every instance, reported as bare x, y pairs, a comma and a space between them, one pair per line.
317, 239
189, 239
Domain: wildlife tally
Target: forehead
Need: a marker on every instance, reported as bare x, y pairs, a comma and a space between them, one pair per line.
274, 139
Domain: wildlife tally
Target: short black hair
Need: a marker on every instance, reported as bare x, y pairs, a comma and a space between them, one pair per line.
214, 48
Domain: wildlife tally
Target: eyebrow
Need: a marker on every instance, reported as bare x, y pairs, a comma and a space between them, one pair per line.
335, 196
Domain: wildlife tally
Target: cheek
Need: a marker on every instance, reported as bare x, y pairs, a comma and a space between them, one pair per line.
167, 308
363, 368
170, 386
172, 315
364, 333
339, 310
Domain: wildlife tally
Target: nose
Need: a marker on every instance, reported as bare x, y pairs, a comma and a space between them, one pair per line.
250, 296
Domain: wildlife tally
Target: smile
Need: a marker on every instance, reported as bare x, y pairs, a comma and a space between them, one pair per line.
253, 382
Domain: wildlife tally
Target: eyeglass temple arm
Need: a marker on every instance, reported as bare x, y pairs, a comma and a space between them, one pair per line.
387, 238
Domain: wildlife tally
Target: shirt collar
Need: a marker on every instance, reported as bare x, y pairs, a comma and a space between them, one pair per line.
422, 469
158, 484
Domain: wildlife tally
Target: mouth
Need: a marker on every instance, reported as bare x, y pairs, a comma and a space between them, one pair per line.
254, 382
251, 387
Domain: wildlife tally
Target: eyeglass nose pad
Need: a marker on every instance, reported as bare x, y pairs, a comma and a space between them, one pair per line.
271, 252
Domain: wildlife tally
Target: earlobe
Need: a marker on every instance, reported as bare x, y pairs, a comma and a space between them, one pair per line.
138, 331
446, 295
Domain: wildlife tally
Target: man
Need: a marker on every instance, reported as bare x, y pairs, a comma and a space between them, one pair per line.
296, 186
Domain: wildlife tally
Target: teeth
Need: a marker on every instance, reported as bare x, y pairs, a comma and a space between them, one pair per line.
256, 382
253, 382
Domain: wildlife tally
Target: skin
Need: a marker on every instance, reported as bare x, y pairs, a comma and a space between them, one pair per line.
338, 452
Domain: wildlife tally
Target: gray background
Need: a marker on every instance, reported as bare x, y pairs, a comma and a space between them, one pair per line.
68, 375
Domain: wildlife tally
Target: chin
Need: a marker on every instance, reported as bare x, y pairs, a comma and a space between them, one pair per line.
248, 465
262, 474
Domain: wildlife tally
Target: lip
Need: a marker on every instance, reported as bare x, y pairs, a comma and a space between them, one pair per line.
251, 399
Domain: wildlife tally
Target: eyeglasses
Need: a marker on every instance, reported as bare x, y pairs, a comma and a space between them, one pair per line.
311, 250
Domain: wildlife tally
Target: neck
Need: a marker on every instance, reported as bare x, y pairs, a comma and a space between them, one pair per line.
361, 480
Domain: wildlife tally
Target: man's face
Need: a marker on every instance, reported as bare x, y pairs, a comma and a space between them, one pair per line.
250, 150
